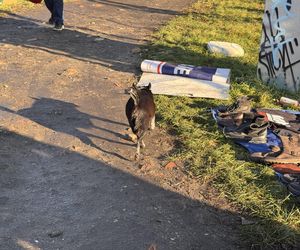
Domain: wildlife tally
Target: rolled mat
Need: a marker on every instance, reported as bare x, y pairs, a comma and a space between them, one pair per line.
218, 75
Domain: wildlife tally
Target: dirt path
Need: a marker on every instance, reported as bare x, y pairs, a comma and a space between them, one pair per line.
67, 180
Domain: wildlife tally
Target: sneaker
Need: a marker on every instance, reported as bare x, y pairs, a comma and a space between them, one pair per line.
50, 21
290, 152
294, 188
242, 105
254, 132
289, 178
58, 27
233, 115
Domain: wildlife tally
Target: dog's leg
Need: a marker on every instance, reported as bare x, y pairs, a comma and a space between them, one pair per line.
141, 139
152, 123
138, 146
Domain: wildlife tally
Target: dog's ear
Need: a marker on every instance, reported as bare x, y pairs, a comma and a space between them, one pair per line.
149, 86
134, 86
133, 92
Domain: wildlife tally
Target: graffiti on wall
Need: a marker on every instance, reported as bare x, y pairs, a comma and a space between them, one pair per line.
279, 57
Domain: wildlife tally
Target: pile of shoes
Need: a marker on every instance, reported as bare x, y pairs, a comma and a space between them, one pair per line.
270, 136
239, 122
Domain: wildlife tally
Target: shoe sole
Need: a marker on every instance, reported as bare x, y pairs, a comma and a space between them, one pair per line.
275, 160
294, 191
56, 29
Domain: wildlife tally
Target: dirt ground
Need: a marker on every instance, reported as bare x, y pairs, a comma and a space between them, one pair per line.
67, 175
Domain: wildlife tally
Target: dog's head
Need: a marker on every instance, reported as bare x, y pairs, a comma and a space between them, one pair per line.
135, 87
136, 91
145, 87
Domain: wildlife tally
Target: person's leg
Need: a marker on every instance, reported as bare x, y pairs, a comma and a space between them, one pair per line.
49, 5
58, 10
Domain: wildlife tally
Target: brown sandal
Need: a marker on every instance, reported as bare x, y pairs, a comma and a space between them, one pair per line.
289, 154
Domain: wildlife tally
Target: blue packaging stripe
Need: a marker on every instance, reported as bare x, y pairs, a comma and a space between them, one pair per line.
203, 73
168, 69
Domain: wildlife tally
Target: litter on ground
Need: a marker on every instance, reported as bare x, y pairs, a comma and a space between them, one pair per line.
226, 49
185, 80
270, 136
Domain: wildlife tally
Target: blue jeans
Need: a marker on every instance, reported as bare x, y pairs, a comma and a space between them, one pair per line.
56, 8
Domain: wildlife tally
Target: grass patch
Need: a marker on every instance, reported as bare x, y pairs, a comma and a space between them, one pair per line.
250, 186
15, 5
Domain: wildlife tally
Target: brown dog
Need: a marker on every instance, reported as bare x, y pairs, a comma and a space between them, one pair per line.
140, 112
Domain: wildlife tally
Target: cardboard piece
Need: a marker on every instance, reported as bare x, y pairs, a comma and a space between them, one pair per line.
183, 86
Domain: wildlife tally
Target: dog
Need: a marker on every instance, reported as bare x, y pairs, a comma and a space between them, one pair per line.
140, 112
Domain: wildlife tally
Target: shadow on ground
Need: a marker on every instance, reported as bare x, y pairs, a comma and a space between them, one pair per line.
65, 117
30, 33
91, 205
136, 7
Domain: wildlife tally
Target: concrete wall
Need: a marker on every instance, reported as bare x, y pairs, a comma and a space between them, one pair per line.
279, 56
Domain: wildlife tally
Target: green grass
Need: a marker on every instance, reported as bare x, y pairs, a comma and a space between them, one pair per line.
250, 186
